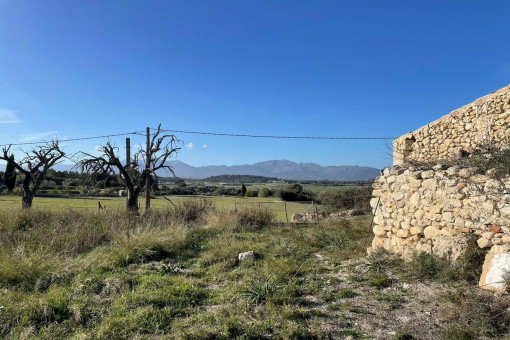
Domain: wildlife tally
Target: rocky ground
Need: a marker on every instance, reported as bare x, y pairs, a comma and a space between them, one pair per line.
391, 305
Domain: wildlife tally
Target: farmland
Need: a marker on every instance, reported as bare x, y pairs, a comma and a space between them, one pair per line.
117, 204
70, 270
175, 274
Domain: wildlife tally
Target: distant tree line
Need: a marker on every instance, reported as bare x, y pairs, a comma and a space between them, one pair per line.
240, 179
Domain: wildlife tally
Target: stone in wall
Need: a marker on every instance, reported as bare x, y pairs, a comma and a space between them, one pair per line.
442, 211
459, 132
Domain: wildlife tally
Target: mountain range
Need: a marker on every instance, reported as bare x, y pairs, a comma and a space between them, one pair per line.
283, 169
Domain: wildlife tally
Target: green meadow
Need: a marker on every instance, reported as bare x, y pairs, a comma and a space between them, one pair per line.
118, 204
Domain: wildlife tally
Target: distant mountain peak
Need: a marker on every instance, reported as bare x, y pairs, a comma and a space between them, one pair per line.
283, 169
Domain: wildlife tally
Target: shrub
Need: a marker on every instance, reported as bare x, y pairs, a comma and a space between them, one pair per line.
475, 315
295, 192
380, 261
190, 210
260, 289
252, 193
145, 245
265, 192
255, 217
345, 199
469, 265
488, 156
458, 333
431, 267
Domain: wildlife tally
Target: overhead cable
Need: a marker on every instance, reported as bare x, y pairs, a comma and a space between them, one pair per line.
274, 136
77, 139
206, 133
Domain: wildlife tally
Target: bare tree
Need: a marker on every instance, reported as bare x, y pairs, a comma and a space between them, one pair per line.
34, 167
161, 148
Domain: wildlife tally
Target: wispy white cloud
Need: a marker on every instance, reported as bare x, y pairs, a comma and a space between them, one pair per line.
190, 146
8, 117
205, 146
36, 137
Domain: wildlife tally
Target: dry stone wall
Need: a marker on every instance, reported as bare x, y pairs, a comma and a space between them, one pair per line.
461, 130
440, 210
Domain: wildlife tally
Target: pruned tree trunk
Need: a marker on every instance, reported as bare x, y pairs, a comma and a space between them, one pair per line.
132, 202
26, 200
27, 195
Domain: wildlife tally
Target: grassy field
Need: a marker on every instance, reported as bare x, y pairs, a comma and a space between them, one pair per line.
175, 274
13, 203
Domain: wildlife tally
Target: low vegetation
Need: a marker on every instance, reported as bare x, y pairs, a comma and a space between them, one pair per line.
488, 158
350, 198
175, 274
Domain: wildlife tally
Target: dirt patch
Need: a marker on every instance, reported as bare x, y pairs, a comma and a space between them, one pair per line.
360, 307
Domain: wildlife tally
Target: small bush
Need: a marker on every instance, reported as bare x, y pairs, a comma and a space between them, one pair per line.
252, 193
473, 315
145, 245
379, 280
403, 334
221, 219
295, 192
458, 333
469, 265
431, 267
488, 156
265, 192
260, 289
191, 210
346, 199
256, 217
347, 294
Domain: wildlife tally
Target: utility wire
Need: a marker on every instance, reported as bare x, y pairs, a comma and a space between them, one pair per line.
77, 139
276, 137
206, 133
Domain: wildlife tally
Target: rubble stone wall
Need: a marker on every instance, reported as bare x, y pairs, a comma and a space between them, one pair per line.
441, 211
462, 129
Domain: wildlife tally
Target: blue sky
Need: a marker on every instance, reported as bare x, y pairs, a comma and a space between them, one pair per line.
294, 68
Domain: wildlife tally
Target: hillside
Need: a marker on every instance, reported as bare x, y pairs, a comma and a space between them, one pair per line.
279, 169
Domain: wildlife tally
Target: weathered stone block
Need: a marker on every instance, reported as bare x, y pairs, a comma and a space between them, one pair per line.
488, 235
448, 217
465, 173
497, 241
431, 232
403, 233
373, 202
505, 212
452, 247
427, 174
379, 231
450, 232
495, 267
430, 184
494, 228
377, 242
416, 230
484, 243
